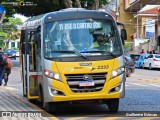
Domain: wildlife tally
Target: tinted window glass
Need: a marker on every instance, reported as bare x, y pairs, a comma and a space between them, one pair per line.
82, 36
135, 57
157, 56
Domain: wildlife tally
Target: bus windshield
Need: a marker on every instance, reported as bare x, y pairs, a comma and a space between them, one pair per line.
87, 37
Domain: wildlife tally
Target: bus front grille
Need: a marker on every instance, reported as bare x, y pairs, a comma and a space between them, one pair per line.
74, 80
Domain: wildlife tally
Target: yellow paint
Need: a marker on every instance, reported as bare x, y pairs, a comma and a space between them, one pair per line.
77, 118
110, 118
31, 97
147, 118
75, 68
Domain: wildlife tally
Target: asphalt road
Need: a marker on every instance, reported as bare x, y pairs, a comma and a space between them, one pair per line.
142, 94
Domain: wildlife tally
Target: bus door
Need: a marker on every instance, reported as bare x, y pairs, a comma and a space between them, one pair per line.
30, 65
22, 62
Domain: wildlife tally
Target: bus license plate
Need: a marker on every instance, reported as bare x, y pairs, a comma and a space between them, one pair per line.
86, 83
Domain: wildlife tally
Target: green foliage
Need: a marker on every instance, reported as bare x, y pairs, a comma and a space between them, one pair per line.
39, 7
9, 29
3, 35
126, 45
90, 3
44, 6
10, 8
15, 48
15, 21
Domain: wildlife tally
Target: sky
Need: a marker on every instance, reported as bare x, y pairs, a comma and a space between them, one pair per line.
22, 17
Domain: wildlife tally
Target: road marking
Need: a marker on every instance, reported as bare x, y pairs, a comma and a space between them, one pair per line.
147, 118
76, 118
110, 118
11, 88
95, 117
154, 85
137, 84
144, 76
142, 84
14, 85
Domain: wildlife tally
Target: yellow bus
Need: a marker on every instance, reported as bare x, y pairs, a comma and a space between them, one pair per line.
64, 61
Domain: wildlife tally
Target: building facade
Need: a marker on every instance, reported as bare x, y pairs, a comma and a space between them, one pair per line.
138, 19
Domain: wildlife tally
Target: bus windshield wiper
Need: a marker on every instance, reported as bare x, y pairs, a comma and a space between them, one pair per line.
73, 51
78, 53
97, 51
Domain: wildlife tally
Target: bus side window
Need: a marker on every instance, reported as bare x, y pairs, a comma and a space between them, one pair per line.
22, 42
32, 36
38, 41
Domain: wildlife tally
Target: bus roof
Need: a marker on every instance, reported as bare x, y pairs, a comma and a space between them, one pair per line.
67, 14
35, 18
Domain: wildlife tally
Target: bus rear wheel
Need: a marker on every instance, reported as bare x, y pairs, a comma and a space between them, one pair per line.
113, 105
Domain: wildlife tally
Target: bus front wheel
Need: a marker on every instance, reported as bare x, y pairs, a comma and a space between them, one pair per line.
47, 106
113, 105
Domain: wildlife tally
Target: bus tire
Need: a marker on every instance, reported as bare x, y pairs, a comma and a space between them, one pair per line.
34, 101
40, 94
113, 105
47, 106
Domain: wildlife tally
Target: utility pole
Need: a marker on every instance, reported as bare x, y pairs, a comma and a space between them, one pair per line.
117, 10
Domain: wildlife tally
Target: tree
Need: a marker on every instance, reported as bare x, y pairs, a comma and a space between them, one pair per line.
89, 4
68, 3
78, 4
96, 4
38, 7
9, 30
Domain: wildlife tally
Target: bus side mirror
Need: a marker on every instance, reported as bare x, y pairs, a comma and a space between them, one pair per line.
123, 34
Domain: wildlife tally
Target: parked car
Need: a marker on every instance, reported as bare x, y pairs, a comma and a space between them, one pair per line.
134, 57
140, 61
17, 53
11, 53
130, 66
152, 61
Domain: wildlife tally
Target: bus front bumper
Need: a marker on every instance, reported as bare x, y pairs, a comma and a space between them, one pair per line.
59, 91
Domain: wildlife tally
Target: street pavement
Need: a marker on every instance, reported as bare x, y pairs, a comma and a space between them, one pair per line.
14, 106
142, 94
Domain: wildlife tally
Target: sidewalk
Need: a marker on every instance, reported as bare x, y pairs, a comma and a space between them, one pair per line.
14, 107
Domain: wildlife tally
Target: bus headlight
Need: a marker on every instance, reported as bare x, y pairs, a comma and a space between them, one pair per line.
117, 72
52, 75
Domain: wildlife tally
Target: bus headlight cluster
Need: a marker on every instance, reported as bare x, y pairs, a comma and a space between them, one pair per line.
117, 72
52, 75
